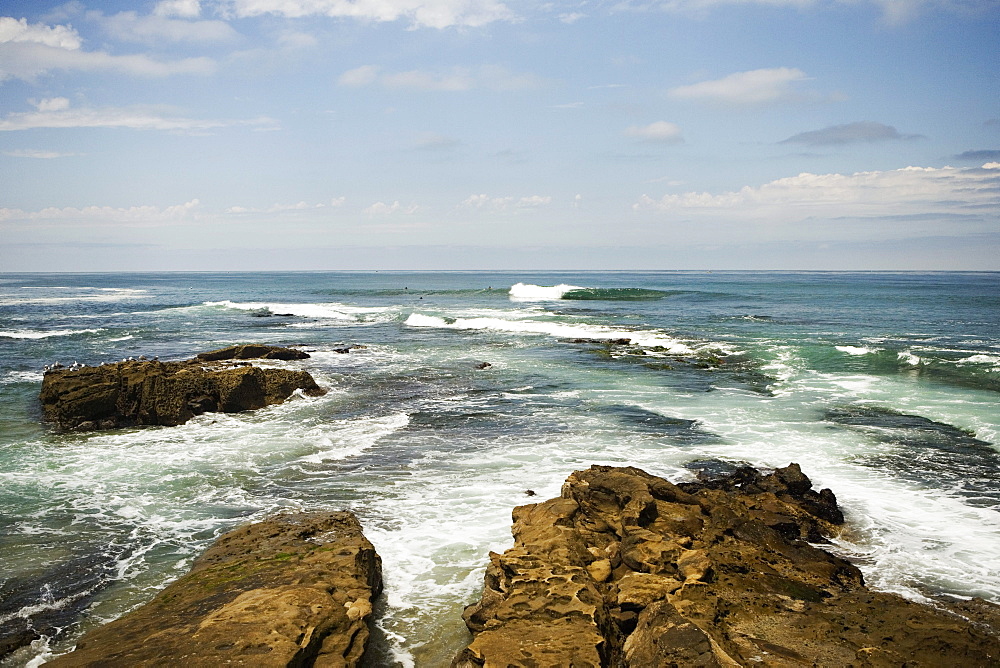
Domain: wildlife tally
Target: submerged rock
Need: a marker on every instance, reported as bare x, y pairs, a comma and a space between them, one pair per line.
150, 392
625, 569
293, 590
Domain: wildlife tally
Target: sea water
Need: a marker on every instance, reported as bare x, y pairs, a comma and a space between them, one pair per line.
883, 386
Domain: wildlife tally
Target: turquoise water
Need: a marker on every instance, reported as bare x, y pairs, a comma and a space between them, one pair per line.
883, 386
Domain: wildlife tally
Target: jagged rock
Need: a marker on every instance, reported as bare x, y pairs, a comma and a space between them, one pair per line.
150, 392
253, 351
625, 569
293, 590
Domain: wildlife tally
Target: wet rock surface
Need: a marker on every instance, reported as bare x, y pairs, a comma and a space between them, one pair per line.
150, 392
628, 569
293, 590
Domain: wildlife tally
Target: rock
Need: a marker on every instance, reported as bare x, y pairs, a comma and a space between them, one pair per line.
253, 351
293, 590
150, 392
625, 569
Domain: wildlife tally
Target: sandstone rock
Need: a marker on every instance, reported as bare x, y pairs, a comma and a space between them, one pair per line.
625, 569
253, 351
293, 590
150, 392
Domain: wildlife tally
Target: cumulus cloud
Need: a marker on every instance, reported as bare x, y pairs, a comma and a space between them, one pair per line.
658, 132
29, 50
133, 216
849, 133
57, 113
420, 13
158, 27
487, 77
188, 9
754, 87
383, 209
911, 190
484, 202
282, 208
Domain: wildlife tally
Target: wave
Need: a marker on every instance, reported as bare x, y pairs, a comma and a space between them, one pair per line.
526, 292
44, 334
856, 350
87, 295
646, 338
329, 311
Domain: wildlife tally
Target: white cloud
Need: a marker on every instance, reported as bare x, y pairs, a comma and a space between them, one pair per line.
746, 88
37, 153
187, 9
658, 132
277, 208
359, 76
488, 77
383, 209
20, 31
135, 215
29, 50
907, 191
154, 28
57, 113
420, 13
484, 202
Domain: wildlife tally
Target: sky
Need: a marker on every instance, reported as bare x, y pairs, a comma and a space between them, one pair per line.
248, 135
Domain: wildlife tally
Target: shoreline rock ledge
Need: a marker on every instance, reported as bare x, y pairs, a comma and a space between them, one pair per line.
625, 569
149, 392
293, 590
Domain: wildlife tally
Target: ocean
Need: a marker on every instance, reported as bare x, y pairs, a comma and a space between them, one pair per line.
455, 396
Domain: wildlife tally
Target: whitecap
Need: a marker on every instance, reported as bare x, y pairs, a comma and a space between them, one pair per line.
526, 292
908, 358
644, 338
44, 334
328, 311
352, 437
855, 350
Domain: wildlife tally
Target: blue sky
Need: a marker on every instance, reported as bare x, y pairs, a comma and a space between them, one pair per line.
490, 134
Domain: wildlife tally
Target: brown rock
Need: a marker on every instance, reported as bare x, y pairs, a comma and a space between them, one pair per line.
151, 392
293, 590
628, 570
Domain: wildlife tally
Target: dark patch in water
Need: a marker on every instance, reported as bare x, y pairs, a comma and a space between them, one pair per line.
62, 592
925, 451
651, 422
618, 294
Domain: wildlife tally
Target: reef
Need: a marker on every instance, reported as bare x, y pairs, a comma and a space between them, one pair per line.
137, 392
293, 590
625, 569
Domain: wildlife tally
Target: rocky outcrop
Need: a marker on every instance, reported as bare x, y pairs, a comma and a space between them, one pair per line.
150, 392
627, 569
294, 590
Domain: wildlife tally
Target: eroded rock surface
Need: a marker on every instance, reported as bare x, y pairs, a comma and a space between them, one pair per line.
293, 590
627, 569
150, 392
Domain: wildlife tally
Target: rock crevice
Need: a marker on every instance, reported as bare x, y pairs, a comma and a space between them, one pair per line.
625, 569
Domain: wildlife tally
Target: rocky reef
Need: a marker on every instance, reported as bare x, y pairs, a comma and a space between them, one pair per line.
151, 392
293, 590
627, 569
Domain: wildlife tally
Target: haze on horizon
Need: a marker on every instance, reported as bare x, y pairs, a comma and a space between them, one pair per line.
487, 134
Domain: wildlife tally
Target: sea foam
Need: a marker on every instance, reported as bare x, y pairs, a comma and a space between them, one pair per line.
526, 292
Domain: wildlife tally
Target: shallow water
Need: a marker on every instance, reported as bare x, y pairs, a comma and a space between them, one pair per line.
884, 387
